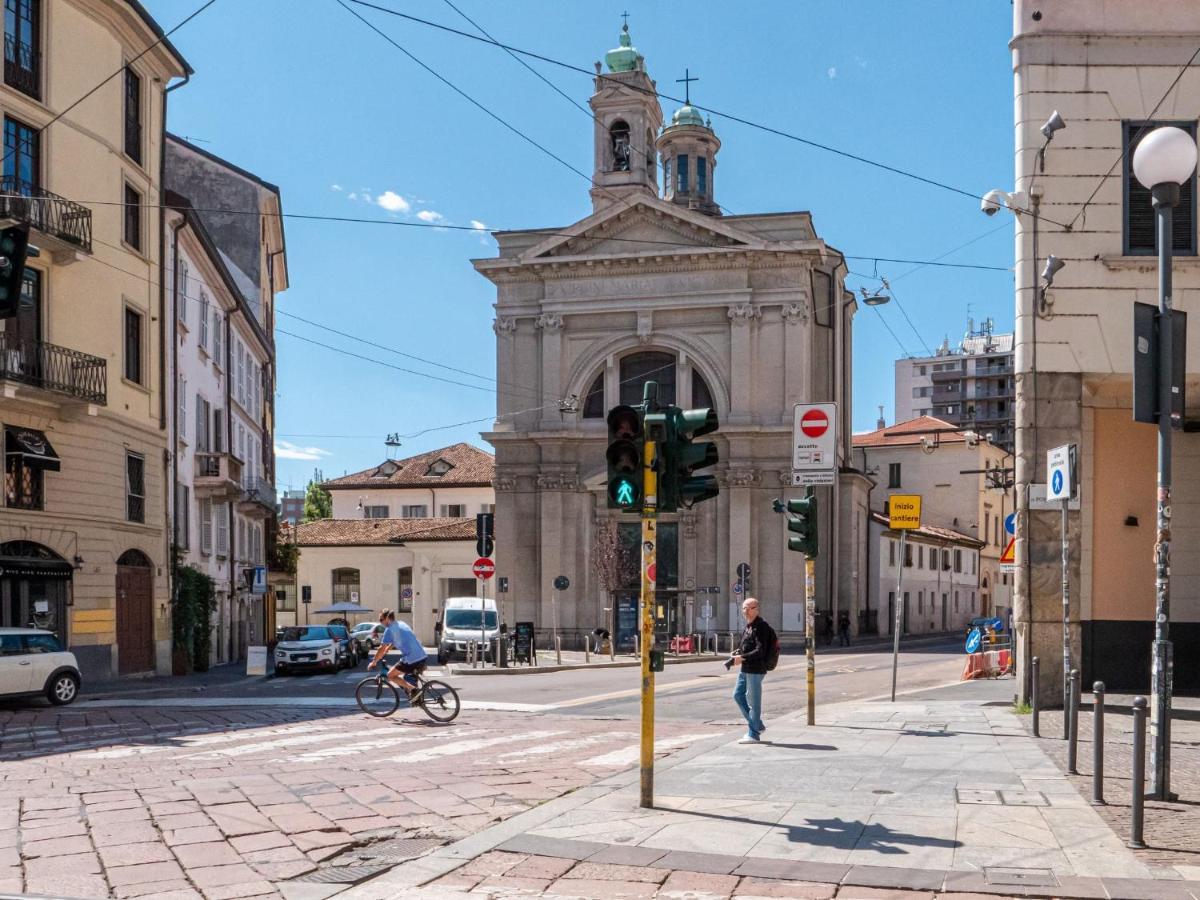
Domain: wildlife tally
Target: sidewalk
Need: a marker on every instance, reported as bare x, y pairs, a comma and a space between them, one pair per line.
928, 796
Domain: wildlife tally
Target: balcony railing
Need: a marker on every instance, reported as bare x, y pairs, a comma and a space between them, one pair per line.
259, 493
947, 375
22, 67
218, 476
53, 368
49, 213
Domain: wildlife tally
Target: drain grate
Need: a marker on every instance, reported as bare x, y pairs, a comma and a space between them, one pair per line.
343, 874
398, 850
1011, 876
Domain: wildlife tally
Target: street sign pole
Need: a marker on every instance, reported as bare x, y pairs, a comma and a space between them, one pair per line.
904, 512
1060, 483
649, 560
896, 612
810, 637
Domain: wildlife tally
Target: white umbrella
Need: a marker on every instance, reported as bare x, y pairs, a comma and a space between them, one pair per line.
343, 607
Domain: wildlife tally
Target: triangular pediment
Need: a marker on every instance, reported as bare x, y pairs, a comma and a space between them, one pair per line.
638, 228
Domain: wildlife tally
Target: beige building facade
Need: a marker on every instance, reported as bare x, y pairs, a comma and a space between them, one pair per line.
84, 532
1104, 67
746, 314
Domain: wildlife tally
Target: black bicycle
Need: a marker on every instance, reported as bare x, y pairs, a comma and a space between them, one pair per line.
378, 697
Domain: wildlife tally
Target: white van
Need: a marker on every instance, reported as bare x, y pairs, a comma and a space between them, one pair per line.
467, 619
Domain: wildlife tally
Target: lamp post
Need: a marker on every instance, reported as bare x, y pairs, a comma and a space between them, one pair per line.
1164, 159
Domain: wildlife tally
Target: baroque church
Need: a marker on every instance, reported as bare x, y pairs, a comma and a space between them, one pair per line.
747, 314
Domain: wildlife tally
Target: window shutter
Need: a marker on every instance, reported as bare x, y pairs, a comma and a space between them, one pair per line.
1140, 236
206, 526
183, 407
222, 530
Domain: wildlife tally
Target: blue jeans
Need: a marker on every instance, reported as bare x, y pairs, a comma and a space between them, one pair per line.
748, 696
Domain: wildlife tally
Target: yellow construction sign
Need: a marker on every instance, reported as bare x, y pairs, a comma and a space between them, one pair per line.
1010, 552
904, 511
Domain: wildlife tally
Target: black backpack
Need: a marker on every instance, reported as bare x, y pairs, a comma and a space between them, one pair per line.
770, 645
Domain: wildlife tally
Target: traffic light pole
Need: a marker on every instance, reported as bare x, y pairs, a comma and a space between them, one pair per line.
810, 637
649, 558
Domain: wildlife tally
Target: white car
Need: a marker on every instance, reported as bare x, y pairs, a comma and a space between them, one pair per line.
33, 662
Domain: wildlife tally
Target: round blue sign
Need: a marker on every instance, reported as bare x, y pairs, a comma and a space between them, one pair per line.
974, 639
1010, 523
737, 587
1056, 481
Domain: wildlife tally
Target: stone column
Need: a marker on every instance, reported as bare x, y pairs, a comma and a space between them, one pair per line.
550, 325
741, 480
741, 362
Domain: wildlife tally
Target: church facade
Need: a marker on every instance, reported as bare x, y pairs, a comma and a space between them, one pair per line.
743, 313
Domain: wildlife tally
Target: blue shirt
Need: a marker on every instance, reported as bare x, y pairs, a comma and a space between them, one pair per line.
402, 638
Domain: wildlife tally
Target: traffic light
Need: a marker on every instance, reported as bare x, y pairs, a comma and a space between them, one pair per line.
484, 533
802, 519
625, 444
14, 241
682, 456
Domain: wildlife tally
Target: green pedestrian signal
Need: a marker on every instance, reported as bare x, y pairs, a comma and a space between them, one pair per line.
682, 457
625, 446
802, 520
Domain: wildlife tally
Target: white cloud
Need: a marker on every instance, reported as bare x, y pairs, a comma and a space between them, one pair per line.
428, 215
393, 202
477, 225
335, 187
352, 196
367, 198
288, 450
832, 72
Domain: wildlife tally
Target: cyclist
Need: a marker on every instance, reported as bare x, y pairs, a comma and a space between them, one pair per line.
412, 654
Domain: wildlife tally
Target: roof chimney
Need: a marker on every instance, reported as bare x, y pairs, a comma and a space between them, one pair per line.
880, 424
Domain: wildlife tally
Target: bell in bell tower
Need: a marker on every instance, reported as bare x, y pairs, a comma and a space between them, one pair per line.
627, 119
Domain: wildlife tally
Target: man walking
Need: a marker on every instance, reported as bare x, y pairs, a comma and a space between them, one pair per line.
751, 655
844, 628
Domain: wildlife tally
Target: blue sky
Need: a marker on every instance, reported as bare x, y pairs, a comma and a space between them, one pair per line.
305, 95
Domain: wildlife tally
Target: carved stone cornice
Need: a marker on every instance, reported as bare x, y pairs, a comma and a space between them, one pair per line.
504, 483
794, 313
549, 321
742, 477
742, 313
557, 481
502, 324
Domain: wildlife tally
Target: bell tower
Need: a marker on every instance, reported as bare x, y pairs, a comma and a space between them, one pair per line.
627, 119
689, 149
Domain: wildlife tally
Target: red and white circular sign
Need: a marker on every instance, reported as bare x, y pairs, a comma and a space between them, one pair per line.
814, 423
484, 568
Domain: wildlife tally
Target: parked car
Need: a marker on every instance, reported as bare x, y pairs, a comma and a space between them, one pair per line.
307, 647
367, 635
347, 647
466, 619
33, 662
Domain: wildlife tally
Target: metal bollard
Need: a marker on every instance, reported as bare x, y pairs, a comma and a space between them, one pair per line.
1033, 699
1072, 713
1138, 782
471, 654
502, 644
558, 650
1098, 744
587, 653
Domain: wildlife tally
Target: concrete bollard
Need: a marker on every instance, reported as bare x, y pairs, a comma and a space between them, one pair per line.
1137, 806
587, 653
1072, 713
558, 650
1033, 699
1098, 744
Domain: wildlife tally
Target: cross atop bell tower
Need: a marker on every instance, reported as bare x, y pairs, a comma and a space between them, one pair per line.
627, 120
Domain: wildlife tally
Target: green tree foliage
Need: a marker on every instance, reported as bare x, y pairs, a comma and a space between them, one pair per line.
318, 504
191, 619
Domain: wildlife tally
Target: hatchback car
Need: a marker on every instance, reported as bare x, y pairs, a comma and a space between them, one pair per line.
347, 649
367, 635
33, 662
307, 647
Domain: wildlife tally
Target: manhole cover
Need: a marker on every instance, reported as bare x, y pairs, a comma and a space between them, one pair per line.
1005, 875
343, 874
1024, 798
973, 795
398, 849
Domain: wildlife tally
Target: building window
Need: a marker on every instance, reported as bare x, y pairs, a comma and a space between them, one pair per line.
618, 136
133, 220
958, 561
415, 511
893, 475
701, 395
204, 321
24, 487
908, 556
454, 510
920, 557
206, 526
345, 586
892, 554
668, 176
22, 46
920, 370
987, 526
1139, 220
956, 601
22, 157
945, 560
375, 512
135, 487
182, 517
487, 508
133, 115
404, 598
920, 601
285, 600
133, 346
218, 339
638, 368
701, 175
682, 170
222, 514
593, 401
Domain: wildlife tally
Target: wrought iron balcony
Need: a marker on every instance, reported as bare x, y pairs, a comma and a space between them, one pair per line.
22, 67
49, 367
66, 223
218, 476
258, 499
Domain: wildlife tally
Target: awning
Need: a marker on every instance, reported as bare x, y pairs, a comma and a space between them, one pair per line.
32, 445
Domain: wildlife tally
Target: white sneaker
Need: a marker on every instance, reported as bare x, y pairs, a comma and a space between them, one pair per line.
748, 739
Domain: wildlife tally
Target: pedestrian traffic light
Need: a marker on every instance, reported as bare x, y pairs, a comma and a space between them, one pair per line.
14, 241
625, 445
484, 533
682, 456
802, 519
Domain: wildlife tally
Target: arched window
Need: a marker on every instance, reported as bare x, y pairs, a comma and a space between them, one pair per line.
682, 168
638, 368
134, 558
618, 136
701, 395
593, 403
345, 585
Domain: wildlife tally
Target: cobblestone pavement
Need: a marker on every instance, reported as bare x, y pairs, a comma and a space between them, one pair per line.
190, 802
1172, 830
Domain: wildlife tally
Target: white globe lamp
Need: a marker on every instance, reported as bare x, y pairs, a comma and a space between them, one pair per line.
1165, 156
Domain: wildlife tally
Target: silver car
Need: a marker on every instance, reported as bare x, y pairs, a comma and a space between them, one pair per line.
307, 647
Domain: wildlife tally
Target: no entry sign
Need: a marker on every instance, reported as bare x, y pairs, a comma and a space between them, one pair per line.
814, 443
484, 568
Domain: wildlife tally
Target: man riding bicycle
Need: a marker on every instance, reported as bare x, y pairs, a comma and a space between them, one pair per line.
412, 654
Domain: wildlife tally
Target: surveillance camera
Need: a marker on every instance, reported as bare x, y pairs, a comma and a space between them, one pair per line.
992, 202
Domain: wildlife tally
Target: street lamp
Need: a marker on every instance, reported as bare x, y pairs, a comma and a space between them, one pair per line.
1163, 160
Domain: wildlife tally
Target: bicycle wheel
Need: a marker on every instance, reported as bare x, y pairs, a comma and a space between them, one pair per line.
377, 697
439, 700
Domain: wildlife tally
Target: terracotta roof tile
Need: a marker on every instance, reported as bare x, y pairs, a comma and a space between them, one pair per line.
360, 532
468, 467
910, 433
934, 531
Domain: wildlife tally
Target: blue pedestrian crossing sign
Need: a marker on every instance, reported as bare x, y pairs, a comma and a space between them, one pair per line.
974, 639
1059, 480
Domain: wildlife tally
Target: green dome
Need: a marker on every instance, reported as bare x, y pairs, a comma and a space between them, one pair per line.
624, 58
687, 115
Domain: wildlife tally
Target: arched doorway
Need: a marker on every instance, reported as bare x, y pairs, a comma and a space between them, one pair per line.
35, 583
135, 613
